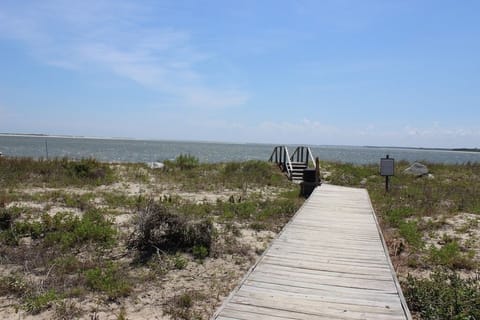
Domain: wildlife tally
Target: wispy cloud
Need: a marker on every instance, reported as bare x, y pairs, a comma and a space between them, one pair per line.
117, 37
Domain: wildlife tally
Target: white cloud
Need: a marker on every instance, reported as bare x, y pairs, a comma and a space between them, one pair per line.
438, 135
118, 37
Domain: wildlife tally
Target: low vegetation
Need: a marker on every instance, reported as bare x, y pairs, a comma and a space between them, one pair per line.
84, 239
78, 237
53, 173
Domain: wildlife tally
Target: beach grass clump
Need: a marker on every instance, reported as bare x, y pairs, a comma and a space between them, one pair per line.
38, 302
181, 306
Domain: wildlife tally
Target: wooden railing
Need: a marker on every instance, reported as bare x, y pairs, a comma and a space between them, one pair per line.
282, 158
303, 155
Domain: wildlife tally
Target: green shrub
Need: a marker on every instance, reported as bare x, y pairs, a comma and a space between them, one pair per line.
396, 216
451, 256
179, 262
200, 252
109, 280
409, 231
65, 229
444, 295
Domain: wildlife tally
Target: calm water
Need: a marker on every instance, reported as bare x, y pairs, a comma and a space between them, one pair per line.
147, 151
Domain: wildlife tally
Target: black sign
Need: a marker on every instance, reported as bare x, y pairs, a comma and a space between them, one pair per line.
387, 167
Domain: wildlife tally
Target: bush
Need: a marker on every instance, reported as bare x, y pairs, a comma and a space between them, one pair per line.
160, 229
445, 295
6, 218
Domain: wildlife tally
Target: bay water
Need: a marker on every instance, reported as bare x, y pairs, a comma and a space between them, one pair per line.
128, 150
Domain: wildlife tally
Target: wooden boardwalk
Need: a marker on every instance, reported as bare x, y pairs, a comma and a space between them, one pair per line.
329, 262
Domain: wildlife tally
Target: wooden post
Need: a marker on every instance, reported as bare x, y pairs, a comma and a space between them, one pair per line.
317, 171
387, 177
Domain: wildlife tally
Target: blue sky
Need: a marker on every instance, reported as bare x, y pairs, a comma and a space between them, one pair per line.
344, 72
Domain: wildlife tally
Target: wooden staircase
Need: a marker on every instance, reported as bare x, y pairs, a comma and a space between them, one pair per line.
296, 174
295, 165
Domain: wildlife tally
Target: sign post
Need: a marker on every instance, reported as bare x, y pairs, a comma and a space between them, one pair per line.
387, 169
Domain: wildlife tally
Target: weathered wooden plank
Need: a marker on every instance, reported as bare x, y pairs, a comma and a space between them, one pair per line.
317, 259
330, 256
329, 283
312, 306
329, 262
320, 274
326, 267
256, 312
326, 291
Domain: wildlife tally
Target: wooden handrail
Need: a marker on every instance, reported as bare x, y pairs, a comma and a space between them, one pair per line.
303, 154
280, 155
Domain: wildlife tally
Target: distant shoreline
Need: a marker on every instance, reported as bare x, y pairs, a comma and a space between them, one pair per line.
43, 135
428, 149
